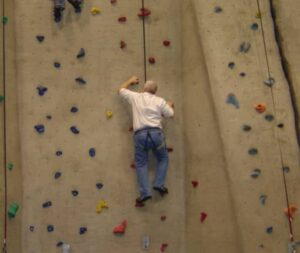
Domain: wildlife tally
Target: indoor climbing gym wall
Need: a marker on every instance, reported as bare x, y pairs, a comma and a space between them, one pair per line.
68, 182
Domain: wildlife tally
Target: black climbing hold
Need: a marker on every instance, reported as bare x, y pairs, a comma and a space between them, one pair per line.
252, 151
231, 65
82, 230
50, 228
57, 175
75, 193
286, 169
218, 9
49, 117
74, 130
31, 228
80, 80
245, 47
242, 74
56, 65
39, 128
263, 199
99, 186
231, 99
92, 152
269, 230
269, 117
280, 125
42, 90
255, 173
74, 109
269, 82
47, 204
59, 153
254, 26
246, 128
261, 246
40, 38
59, 244
81, 53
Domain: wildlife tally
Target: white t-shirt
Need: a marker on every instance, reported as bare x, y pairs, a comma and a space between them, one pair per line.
147, 109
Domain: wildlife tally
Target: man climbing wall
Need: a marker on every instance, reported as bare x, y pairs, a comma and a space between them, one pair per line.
148, 110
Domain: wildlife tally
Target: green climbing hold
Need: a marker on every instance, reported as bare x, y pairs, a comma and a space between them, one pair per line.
9, 166
12, 210
1, 98
4, 20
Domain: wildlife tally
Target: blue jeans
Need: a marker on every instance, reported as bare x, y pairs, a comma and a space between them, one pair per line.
145, 140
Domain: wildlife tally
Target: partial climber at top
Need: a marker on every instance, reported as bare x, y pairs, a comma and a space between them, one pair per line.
59, 6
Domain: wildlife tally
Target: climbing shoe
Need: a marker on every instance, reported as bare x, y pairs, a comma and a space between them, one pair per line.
162, 190
57, 14
140, 200
76, 5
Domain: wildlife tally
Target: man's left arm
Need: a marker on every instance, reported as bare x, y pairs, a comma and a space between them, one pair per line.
131, 81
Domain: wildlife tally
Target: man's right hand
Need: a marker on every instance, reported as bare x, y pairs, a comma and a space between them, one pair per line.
134, 80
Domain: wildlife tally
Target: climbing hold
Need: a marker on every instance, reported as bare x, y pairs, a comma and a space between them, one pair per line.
132, 165
9, 166
4, 20
122, 19
286, 169
231, 65
146, 242
231, 99
59, 244
99, 186
57, 175
254, 26
269, 230
81, 53
260, 108
144, 13
92, 152
59, 153
75, 193
263, 199
31, 228
166, 43
74, 130
269, 117
42, 90
40, 128
245, 47
163, 218
82, 230
100, 205
255, 173
170, 149
95, 11
290, 210
113, 1
151, 60
108, 114
12, 210
80, 80
163, 247
122, 44
1, 98
218, 9
47, 204
40, 38
280, 125
50, 228
242, 74
56, 65
48, 117
74, 109
252, 151
203, 217
258, 15
195, 183
269, 82
121, 228
246, 128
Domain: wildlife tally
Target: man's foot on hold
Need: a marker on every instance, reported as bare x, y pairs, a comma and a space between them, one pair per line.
140, 201
76, 5
162, 190
57, 14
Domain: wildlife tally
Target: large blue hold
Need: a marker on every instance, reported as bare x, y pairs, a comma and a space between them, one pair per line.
74, 130
42, 90
39, 128
92, 152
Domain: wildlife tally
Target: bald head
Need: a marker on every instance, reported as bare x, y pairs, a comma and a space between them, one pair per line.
150, 86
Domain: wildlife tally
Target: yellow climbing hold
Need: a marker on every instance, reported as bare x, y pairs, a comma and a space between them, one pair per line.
95, 11
258, 15
100, 205
109, 114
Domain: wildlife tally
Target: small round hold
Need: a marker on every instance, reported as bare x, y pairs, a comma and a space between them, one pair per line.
255, 173
92, 152
59, 153
269, 117
99, 186
74, 130
122, 19
254, 26
231, 65
166, 43
48, 117
269, 230
57, 175
50, 228
252, 151
59, 244
286, 169
57, 65
40, 128
122, 44
151, 60
246, 128
269, 82
242, 74
74, 109
31, 228
82, 230
218, 9
281, 125
75, 193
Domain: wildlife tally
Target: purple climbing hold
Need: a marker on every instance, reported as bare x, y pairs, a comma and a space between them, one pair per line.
245, 47
41, 90
74, 130
255, 173
40, 38
99, 186
74, 109
231, 99
269, 230
252, 151
82, 230
50, 228
40, 128
80, 80
59, 153
92, 152
57, 65
47, 204
57, 175
75, 193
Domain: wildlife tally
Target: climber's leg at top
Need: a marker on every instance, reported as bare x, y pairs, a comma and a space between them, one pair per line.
59, 6
76, 4
141, 162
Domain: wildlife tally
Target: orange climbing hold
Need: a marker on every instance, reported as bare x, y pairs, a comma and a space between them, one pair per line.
144, 13
290, 211
120, 229
260, 108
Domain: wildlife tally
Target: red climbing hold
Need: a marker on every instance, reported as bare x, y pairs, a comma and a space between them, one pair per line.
169, 149
144, 13
151, 60
132, 166
163, 247
195, 183
120, 229
122, 44
203, 217
166, 43
260, 108
163, 218
113, 1
122, 19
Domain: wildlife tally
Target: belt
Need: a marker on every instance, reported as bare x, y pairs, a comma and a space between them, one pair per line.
146, 128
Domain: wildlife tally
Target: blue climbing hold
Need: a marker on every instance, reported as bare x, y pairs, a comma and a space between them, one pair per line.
269, 230
99, 186
40, 128
74, 130
57, 175
74, 109
263, 199
269, 82
57, 65
231, 99
40, 38
50, 228
245, 47
255, 173
80, 80
269, 117
42, 90
59, 153
92, 152
75, 193
252, 151
254, 26
47, 204
82, 230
